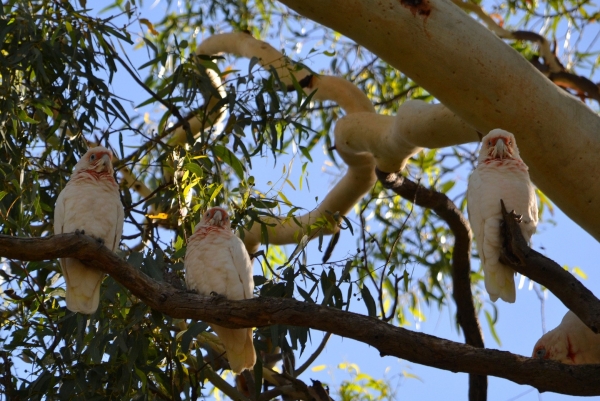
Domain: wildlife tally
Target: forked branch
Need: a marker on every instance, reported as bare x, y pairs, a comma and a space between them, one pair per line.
461, 261
517, 254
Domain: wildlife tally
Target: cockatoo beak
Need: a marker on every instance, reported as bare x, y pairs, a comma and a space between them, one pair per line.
499, 149
106, 162
217, 218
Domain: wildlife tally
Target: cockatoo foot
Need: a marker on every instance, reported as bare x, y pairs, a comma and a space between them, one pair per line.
518, 217
217, 295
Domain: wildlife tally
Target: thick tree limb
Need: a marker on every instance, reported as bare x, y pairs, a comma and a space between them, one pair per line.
389, 340
518, 255
461, 261
551, 67
363, 139
486, 83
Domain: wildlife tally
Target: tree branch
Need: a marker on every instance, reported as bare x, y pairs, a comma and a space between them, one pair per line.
257, 312
461, 261
313, 357
517, 254
434, 39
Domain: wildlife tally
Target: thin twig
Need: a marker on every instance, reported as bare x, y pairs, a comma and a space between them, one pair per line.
314, 356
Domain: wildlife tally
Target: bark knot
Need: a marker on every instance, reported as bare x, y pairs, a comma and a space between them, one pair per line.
420, 7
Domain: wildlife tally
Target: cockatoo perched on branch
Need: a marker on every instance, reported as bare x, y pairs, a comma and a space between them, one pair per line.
500, 174
572, 342
90, 202
216, 261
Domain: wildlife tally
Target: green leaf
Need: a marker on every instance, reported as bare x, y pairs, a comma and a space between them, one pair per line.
215, 193
192, 332
305, 153
230, 158
25, 118
580, 273
491, 324
369, 301
305, 295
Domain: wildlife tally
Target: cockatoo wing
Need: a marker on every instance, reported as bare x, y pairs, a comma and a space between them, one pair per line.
243, 266
83, 283
486, 187
474, 209
218, 262
96, 209
484, 217
118, 227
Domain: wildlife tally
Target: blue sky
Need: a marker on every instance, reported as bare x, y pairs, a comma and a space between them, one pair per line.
519, 325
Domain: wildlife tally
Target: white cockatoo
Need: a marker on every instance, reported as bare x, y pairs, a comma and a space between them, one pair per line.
571, 342
90, 202
216, 261
500, 174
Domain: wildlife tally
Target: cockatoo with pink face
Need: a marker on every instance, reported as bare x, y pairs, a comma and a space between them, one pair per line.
216, 261
572, 342
500, 174
90, 202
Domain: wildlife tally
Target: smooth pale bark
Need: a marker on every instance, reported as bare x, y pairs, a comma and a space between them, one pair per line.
363, 139
487, 84
360, 175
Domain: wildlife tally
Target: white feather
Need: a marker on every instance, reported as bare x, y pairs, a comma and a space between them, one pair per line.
217, 261
571, 342
490, 182
93, 206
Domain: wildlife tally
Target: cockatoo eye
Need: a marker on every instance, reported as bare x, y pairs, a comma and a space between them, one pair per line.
93, 157
489, 143
540, 353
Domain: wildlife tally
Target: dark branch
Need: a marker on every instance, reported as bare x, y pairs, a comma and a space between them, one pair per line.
258, 312
582, 85
313, 357
518, 255
461, 261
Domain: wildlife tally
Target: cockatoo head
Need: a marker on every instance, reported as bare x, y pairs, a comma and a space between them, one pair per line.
216, 216
498, 145
98, 160
554, 345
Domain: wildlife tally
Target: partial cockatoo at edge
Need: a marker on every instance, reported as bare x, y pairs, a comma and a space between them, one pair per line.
90, 202
500, 174
217, 261
571, 342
